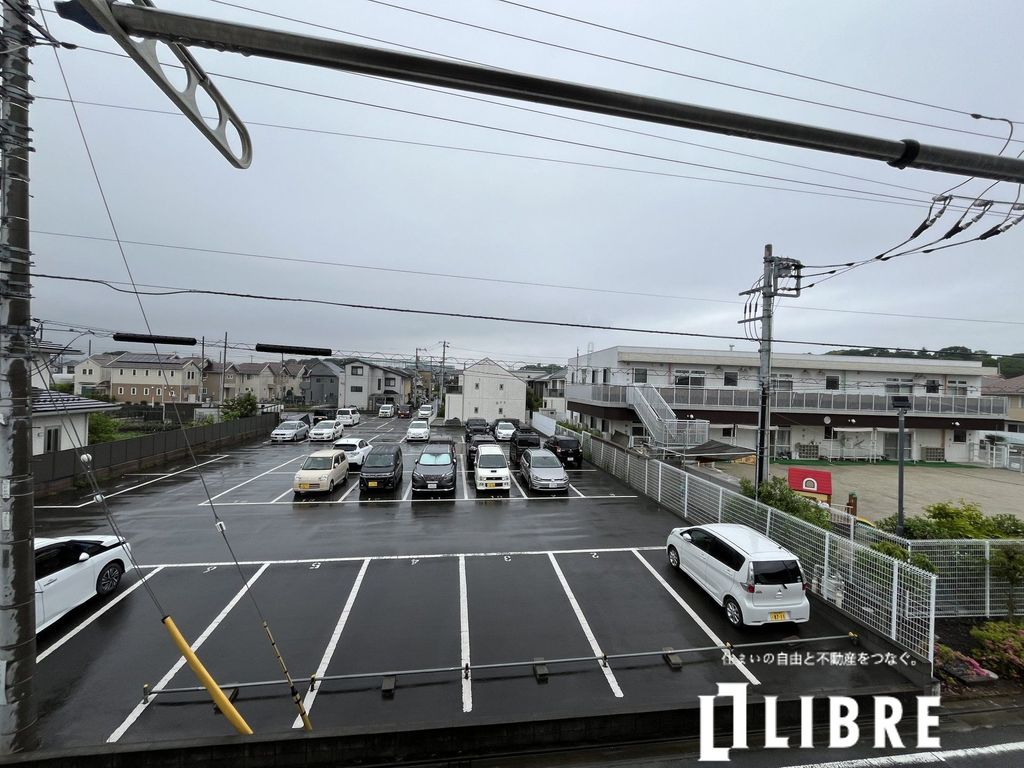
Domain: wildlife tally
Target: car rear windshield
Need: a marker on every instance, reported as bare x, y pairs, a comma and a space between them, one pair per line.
318, 462
435, 459
492, 461
777, 572
346, 446
379, 460
568, 442
545, 462
290, 425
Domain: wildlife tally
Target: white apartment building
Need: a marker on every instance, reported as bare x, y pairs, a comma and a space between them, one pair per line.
550, 390
823, 406
486, 390
357, 383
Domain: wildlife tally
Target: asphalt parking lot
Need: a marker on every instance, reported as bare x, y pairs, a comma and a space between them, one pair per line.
352, 585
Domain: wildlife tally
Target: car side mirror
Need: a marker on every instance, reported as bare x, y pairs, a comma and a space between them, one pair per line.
687, 537
83, 557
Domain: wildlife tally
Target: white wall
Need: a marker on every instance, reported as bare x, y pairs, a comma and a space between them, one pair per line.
488, 392
69, 424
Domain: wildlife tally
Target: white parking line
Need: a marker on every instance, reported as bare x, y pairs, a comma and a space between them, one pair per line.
465, 481
467, 683
730, 659
354, 484
420, 500
577, 490
261, 474
406, 495
130, 488
332, 644
142, 705
286, 493
98, 613
591, 638
512, 475
923, 758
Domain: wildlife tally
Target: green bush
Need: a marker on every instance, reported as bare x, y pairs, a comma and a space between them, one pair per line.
899, 553
1007, 563
951, 520
103, 428
1001, 648
239, 407
776, 492
579, 428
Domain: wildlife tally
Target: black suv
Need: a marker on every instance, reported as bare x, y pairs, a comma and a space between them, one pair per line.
473, 442
405, 411
435, 468
522, 438
475, 426
382, 469
566, 448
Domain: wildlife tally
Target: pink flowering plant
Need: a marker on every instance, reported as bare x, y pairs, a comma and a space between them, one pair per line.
1001, 647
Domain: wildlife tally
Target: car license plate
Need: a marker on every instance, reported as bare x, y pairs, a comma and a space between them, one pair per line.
432, 486
372, 484
778, 616
492, 485
304, 486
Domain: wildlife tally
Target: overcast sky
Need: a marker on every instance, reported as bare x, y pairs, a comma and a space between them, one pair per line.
697, 243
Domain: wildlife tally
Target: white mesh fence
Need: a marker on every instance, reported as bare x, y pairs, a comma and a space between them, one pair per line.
891, 597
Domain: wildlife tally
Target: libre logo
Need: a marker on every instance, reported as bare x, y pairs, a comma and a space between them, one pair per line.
843, 730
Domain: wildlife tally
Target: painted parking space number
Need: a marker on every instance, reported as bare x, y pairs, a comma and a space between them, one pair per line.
314, 566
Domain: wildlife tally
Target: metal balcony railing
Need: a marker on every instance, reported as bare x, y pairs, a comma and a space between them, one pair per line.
664, 429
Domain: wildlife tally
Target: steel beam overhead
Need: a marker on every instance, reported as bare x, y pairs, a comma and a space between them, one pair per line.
188, 30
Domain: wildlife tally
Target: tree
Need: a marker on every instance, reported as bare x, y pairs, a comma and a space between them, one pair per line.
533, 403
239, 407
1007, 563
67, 389
102, 428
776, 493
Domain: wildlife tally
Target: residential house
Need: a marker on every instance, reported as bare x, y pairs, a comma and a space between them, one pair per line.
1013, 390
220, 382
324, 384
828, 406
48, 363
286, 382
549, 390
155, 379
92, 377
486, 390
61, 421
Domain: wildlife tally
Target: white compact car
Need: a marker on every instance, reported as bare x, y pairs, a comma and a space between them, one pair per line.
752, 577
72, 569
504, 430
418, 430
386, 411
491, 471
425, 411
327, 429
355, 450
321, 472
348, 416
290, 431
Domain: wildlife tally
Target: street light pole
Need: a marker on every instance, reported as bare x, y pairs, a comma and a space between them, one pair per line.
902, 404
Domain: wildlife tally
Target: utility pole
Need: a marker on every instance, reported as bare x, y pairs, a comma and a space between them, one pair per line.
774, 269
224, 370
18, 716
440, 389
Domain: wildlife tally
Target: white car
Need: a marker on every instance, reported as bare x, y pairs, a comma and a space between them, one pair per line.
348, 416
386, 411
72, 569
327, 429
290, 431
321, 471
355, 450
418, 430
491, 471
504, 430
425, 411
753, 578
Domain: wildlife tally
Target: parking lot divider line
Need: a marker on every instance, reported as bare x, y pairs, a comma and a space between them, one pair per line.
577, 490
408, 491
353, 484
585, 625
332, 644
921, 758
176, 667
98, 613
512, 475
278, 498
730, 659
467, 682
261, 474
465, 480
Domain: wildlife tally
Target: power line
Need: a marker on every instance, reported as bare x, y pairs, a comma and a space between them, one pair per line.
677, 73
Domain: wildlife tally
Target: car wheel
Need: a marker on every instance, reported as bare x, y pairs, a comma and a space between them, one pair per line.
733, 613
330, 487
109, 578
345, 478
673, 557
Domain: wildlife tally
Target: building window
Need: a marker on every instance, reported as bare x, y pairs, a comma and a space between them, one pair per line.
781, 382
356, 388
170, 393
604, 425
830, 433
896, 386
501, 411
731, 379
120, 390
121, 371
931, 387
52, 440
639, 375
501, 386
146, 372
190, 375
956, 387
133, 390
476, 385
356, 370
689, 378
145, 390
172, 374
727, 431
389, 382
379, 387
134, 372
959, 435
204, 391
159, 391
831, 382
1014, 427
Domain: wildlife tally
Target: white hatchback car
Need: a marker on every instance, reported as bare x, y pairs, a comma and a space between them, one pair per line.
321, 472
418, 430
72, 569
504, 430
425, 411
328, 429
355, 450
755, 579
386, 411
491, 472
348, 416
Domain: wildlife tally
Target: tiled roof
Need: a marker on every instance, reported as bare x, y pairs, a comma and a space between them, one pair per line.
50, 401
997, 385
250, 368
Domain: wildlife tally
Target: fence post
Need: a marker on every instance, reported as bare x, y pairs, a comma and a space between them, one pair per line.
768, 524
686, 495
931, 621
647, 466
627, 467
659, 481
720, 493
895, 597
824, 576
988, 579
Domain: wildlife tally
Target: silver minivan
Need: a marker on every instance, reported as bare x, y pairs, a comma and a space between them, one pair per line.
348, 416
753, 578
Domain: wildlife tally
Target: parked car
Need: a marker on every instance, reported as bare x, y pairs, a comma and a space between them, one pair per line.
475, 426
290, 431
435, 468
523, 438
418, 430
328, 429
753, 578
426, 411
355, 450
542, 471
382, 468
492, 425
504, 430
386, 411
348, 416
491, 472
72, 569
566, 448
405, 411
321, 471
473, 444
